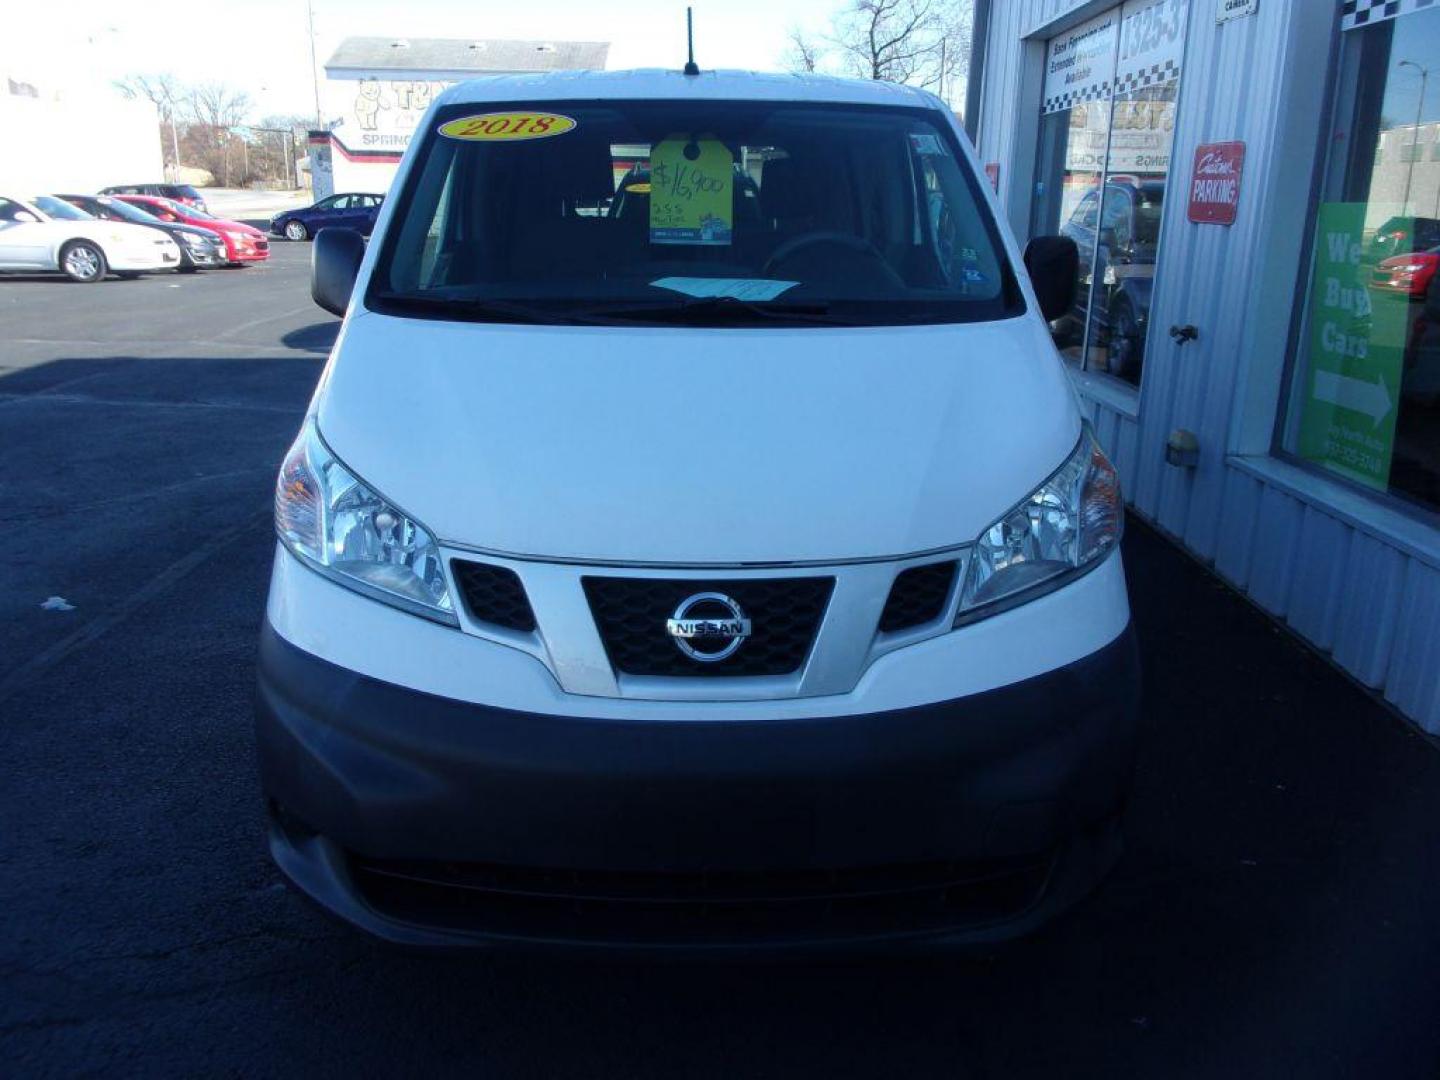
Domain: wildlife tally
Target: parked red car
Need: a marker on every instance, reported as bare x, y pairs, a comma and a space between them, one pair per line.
243, 243
1409, 274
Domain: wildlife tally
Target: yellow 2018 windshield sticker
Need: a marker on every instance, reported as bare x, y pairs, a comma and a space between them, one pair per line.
507, 126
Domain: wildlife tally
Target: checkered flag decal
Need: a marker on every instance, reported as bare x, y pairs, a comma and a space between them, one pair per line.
1357, 13
1153, 75
1094, 92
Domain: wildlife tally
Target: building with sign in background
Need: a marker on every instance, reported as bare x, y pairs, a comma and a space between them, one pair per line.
376, 90
1254, 190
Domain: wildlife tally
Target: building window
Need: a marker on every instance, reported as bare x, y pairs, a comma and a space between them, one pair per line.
1364, 396
1108, 122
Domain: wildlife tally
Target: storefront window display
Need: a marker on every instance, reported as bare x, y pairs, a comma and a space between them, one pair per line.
1111, 86
1364, 396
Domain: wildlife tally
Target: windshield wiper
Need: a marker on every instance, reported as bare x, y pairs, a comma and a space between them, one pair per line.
692, 309
701, 308
480, 309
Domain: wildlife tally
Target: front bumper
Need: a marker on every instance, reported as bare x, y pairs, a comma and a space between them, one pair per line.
256, 252
212, 256
427, 820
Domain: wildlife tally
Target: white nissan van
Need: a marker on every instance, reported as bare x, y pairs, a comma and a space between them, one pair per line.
694, 540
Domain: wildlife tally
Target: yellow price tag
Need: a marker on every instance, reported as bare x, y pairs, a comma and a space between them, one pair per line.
692, 188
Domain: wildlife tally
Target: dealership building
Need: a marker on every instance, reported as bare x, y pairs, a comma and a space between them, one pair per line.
1254, 189
376, 89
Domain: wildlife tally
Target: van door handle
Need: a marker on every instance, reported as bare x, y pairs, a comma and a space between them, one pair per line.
1185, 333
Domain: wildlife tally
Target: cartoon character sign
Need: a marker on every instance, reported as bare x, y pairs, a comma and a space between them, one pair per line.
368, 104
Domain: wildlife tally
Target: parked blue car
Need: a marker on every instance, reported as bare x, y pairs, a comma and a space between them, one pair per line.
350, 211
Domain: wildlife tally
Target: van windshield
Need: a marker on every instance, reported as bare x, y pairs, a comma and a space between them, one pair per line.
747, 213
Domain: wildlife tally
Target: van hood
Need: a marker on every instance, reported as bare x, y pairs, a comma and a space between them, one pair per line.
687, 446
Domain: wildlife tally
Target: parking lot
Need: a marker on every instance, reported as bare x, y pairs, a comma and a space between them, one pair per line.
1274, 914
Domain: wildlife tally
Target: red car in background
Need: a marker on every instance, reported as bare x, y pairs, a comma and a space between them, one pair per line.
243, 243
1409, 274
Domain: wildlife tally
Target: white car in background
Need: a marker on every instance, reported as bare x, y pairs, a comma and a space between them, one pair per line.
47, 233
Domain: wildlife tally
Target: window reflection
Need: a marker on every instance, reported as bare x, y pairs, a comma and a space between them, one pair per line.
1365, 397
1102, 171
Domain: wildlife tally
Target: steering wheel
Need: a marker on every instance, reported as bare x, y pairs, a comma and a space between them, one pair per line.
849, 241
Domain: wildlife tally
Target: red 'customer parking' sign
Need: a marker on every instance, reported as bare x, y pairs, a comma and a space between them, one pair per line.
1215, 182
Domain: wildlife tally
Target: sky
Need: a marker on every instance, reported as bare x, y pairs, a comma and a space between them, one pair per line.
262, 46
1416, 38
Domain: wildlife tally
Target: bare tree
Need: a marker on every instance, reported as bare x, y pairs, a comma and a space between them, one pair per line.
886, 39
280, 143
216, 105
921, 42
215, 111
804, 52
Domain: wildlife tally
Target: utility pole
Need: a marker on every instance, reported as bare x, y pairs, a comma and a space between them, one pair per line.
174, 142
314, 69
287, 139
1414, 138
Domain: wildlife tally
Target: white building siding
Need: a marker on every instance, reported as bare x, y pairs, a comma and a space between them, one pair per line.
1358, 580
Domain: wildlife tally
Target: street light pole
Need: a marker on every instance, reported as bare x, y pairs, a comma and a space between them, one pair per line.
314, 71
1415, 139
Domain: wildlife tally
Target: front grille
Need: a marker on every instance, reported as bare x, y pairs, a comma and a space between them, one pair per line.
710, 908
494, 594
918, 596
631, 615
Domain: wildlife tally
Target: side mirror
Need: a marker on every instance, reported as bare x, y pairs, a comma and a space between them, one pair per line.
1054, 266
334, 264
1432, 299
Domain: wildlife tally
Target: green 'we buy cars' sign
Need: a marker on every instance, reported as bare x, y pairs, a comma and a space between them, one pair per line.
1357, 349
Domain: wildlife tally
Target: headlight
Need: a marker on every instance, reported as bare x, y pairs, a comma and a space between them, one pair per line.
1408, 268
339, 527
195, 241
1065, 527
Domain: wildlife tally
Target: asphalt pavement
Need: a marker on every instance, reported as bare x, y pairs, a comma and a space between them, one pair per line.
1274, 914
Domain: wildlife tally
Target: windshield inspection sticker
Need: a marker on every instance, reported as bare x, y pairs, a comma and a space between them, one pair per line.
507, 126
735, 288
928, 144
691, 191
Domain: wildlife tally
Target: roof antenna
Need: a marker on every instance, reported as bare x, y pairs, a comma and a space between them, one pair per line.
691, 68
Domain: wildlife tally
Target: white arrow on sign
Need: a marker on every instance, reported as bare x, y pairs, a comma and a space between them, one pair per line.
1372, 399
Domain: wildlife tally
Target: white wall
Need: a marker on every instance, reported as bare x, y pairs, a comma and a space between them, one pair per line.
373, 177
77, 145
